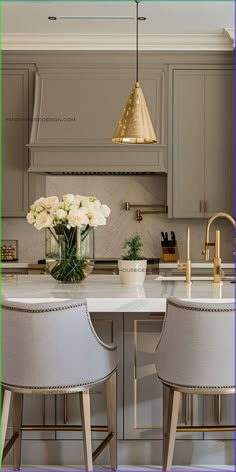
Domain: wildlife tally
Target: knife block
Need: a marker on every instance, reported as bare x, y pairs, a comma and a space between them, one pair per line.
170, 253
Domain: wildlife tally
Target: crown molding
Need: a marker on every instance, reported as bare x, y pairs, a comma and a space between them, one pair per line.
223, 41
230, 32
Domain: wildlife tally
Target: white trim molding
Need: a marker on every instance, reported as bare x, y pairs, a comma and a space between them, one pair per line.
230, 32
223, 41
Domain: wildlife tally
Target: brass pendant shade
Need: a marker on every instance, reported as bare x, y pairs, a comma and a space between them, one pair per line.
135, 126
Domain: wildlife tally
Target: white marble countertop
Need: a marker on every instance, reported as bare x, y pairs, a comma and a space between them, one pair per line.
162, 265
106, 294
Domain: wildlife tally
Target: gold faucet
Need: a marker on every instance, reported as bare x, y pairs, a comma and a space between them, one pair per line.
216, 244
186, 265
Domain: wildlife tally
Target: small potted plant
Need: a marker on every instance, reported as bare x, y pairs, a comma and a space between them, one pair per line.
132, 266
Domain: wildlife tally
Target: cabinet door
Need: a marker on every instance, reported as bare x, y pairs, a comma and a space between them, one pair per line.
142, 388
14, 140
109, 327
202, 143
219, 411
219, 141
188, 144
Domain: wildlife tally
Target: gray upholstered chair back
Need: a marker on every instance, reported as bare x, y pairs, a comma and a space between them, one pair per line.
52, 345
197, 345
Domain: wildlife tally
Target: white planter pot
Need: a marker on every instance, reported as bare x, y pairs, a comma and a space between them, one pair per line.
132, 272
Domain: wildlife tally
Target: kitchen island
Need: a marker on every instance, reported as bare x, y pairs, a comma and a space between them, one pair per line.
132, 317
104, 293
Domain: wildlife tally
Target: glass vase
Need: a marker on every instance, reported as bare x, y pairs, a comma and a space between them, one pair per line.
69, 257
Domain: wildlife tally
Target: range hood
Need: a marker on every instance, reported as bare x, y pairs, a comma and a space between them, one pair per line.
72, 128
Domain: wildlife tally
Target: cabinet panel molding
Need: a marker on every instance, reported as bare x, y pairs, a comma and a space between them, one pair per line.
15, 116
201, 143
142, 388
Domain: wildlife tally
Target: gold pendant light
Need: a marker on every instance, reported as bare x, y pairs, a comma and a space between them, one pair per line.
135, 126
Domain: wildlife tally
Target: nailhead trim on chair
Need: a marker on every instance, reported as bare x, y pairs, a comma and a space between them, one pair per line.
59, 387
214, 310
197, 386
48, 310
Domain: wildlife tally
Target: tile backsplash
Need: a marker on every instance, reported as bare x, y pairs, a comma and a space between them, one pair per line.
115, 191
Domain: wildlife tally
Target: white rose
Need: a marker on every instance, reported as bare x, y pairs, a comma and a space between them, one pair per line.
43, 220
77, 198
97, 204
78, 218
60, 214
30, 218
50, 202
85, 202
68, 198
105, 210
38, 203
98, 219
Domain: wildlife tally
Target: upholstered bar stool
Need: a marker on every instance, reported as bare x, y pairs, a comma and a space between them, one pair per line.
195, 355
52, 348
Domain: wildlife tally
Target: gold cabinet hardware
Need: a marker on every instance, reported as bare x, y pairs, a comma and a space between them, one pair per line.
201, 206
186, 408
44, 408
218, 409
157, 316
65, 401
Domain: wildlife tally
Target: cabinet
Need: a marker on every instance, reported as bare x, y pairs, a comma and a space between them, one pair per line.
142, 389
219, 414
15, 106
83, 106
201, 143
19, 189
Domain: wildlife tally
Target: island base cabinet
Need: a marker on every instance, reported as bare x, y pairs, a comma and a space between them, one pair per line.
219, 410
143, 389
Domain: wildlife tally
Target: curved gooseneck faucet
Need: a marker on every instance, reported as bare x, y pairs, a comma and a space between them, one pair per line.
216, 244
222, 214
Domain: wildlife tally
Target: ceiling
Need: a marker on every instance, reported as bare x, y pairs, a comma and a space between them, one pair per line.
169, 25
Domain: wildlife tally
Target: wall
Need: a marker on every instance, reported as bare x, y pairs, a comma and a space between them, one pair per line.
115, 191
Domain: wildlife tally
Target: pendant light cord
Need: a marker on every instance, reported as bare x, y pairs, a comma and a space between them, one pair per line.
137, 2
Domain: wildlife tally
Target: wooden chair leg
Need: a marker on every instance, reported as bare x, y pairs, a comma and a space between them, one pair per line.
166, 391
111, 398
17, 423
4, 419
173, 410
86, 427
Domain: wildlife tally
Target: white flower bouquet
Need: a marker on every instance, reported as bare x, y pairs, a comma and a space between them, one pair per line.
68, 221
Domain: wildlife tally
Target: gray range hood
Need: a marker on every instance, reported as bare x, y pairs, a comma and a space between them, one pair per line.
72, 128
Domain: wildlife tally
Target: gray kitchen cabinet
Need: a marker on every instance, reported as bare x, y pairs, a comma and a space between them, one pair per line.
201, 143
109, 327
15, 114
19, 188
83, 106
219, 414
142, 389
